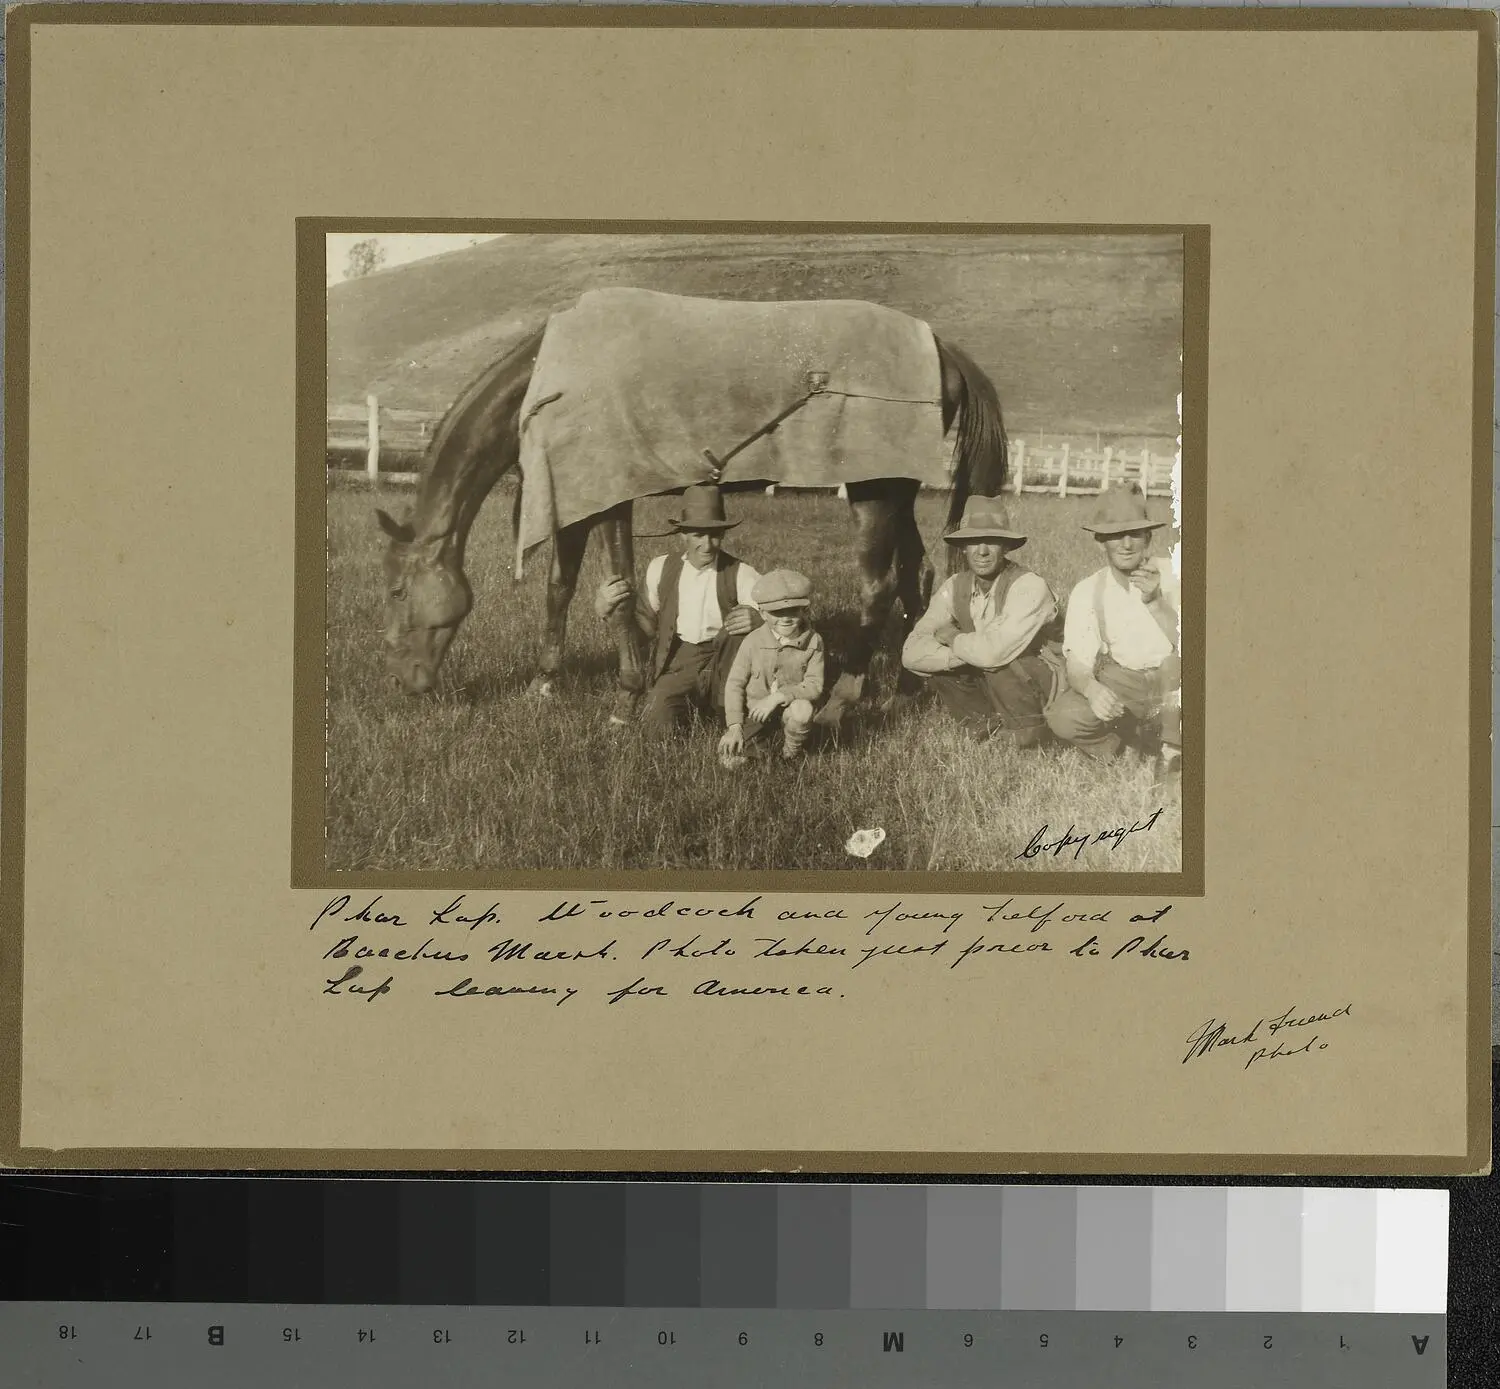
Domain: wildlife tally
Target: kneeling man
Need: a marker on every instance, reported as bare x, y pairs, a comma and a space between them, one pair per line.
1121, 642
981, 642
693, 613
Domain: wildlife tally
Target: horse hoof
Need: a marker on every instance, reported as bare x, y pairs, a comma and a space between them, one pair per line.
623, 713
541, 687
847, 689
832, 713
615, 721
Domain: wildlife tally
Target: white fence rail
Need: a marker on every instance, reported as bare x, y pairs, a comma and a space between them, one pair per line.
375, 432
1065, 470
382, 437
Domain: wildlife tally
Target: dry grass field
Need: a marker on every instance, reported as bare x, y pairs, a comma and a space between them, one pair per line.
479, 776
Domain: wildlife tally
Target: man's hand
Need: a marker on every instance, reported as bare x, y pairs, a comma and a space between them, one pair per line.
1147, 582
945, 633
732, 742
612, 594
739, 621
1105, 703
762, 709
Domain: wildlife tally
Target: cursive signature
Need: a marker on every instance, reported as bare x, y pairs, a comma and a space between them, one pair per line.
1080, 841
1215, 1034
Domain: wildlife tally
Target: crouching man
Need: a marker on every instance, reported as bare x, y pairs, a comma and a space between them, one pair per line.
694, 612
983, 643
1121, 643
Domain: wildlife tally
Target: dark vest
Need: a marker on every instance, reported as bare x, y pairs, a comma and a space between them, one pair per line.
1041, 663
726, 586
963, 595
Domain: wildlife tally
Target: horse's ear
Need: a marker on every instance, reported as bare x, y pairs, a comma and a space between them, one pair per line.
397, 530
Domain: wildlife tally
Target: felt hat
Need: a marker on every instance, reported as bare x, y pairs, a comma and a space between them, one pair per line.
1121, 509
702, 510
781, 590
985, 518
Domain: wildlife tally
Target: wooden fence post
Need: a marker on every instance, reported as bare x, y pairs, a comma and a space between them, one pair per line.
1109, 454
1062, 480
1020, 466
372, 425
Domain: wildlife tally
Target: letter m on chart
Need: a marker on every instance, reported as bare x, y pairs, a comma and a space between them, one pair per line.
893, 1340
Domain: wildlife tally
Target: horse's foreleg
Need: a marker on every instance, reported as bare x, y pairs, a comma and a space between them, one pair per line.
615, 526
567, 558
875, 532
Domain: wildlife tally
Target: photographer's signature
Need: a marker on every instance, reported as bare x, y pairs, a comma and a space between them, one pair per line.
1268, 1031
1114, 837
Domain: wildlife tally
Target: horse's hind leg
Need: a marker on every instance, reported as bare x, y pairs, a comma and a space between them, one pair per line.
567, 558
615, 526
914, 576
874, 507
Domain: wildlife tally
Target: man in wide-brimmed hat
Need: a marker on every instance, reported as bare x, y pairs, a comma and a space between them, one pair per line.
983, 643
1121, 642
694, 610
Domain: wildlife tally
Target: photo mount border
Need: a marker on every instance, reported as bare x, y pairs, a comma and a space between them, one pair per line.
97, 1161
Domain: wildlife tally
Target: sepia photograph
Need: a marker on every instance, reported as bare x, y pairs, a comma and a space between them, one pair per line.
755, 552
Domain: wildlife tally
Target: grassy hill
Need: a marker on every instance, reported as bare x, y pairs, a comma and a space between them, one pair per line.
1080, 334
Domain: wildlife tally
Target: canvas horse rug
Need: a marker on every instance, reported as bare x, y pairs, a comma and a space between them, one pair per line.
635, 393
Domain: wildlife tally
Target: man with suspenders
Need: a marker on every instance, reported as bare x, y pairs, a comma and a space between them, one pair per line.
1121, 641
694, 609
985, 644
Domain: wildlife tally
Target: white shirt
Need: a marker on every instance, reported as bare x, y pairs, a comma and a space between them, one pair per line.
698, 615
1133, 638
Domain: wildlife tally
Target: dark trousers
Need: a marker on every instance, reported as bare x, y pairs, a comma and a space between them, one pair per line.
693, 678
1151, 707
1008, 701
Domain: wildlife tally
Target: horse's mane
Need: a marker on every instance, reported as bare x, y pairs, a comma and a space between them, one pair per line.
447, 495
524, 350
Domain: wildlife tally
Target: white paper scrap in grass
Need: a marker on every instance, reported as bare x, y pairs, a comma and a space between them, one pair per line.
1411, 1251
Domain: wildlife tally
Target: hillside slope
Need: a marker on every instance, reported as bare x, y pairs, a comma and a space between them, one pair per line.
1079, 333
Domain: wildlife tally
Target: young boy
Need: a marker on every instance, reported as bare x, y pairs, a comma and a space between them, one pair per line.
777, 672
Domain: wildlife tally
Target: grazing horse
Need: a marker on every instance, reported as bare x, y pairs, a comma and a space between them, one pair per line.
478, 441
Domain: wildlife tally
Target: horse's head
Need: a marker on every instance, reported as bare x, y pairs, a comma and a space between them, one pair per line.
426, 597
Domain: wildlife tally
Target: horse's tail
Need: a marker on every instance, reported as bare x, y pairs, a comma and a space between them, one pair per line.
982, 451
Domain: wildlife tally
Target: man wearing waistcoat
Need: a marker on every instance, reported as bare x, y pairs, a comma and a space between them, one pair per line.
693, 610
984, 644
1121, 642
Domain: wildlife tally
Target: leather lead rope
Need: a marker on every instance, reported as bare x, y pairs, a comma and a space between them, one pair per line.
817, 380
